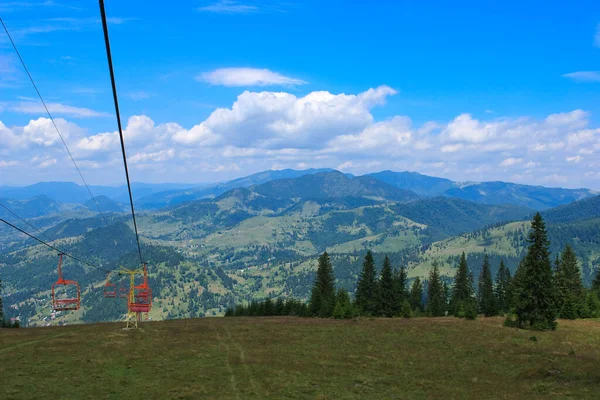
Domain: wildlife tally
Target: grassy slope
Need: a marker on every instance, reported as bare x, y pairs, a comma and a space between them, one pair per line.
264, 358
498, 243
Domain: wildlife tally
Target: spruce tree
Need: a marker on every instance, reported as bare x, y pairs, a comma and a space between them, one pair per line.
268, 307
435, 294
401, 292
416, 296
279, 305
516, 284
596, 283
446, 296
343, 305
366, 289
462, 290
322, 298
1, 306
571, 296
502, 289
535, 293
387, 298
486, 302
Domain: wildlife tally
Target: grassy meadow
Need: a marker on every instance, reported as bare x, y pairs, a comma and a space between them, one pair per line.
294, 358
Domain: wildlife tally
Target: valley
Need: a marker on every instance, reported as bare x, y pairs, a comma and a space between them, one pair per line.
262, 240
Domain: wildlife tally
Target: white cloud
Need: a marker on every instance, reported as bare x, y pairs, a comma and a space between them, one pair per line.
87, 90
584, 76
63, 24
553, 146
531, 164
597, 37
320, 129
43, 162
508, 162
394, 132
573, 120
452, 148
157, 156
226, 168
6, 164
57, 108
229, 7
556, 178
139, 95
42, 132
279, 119
247, 77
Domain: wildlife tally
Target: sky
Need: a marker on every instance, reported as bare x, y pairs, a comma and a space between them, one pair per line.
217, 89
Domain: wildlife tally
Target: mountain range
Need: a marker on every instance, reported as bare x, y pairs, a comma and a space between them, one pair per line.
260, 236
155, 196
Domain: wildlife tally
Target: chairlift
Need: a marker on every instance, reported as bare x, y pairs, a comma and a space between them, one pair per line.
142, 296
110, 289
123, 292
64, 302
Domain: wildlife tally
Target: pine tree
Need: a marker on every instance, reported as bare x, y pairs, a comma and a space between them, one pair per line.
462, 290
343, 305
570, 292
486, 301
536, 297
446, 296
401, 292
366, 289
268, 307
435, 294
416, 296
1, 307
516, 284
387, 295
279, 305
322, 298
596, 283
502, 289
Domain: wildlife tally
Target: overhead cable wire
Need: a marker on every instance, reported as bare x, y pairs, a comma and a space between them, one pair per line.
28, 224
52, 247
52, 119
25, 221
116, 101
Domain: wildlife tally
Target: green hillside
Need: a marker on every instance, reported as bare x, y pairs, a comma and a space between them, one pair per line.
250, 243
293, 358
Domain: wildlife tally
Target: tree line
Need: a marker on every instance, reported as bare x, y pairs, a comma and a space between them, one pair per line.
538, 294
3, 322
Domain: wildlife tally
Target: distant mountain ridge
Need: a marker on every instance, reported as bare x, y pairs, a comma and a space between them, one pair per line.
173, 197
535, 197
156, 196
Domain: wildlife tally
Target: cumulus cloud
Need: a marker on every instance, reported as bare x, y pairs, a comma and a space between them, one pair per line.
380, 135
509, 162
58, 109
247, 77
157, 156
321, 129
584, 76
574, 159
279, 119
229, 7
139, 95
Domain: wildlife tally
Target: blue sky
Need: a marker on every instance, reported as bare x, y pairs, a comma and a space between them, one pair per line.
212, 90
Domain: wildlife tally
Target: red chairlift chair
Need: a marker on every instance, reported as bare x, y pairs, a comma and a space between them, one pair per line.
123, 292
110, 289
64, 303
142, 296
